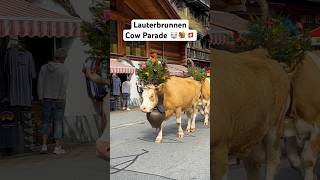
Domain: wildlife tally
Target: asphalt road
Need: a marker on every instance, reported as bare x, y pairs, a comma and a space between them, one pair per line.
134, 155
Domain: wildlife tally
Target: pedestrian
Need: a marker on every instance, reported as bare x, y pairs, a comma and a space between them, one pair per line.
116, 85
52, 88
126, 87
139, 85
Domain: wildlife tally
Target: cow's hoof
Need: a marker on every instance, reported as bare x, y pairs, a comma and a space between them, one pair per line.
181, 135
191, 130
158, 141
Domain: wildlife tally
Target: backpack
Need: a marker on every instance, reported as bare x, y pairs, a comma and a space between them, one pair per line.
95, 91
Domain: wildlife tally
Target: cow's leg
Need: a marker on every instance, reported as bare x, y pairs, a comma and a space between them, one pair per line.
273, 153
159, 137
253, 162
206, 113
179, 118
292, 149
194, 115
219, 162
310, 154
189, 117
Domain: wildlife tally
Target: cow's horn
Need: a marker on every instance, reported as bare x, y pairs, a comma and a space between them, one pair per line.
190, 60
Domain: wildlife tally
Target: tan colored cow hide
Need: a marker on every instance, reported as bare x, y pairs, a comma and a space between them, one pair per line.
249, 100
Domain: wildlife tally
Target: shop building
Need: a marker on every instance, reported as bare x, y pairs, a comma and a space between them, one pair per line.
131, 54
43, 26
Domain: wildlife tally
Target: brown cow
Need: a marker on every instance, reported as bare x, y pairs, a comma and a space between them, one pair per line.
249, 103
305, 116
180, 95
205, 100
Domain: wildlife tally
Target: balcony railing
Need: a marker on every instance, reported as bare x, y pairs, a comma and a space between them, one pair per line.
200, 4
198, 55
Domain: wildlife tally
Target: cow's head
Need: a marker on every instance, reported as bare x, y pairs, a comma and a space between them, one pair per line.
150, 97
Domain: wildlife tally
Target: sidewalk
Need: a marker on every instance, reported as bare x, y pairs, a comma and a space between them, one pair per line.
80, 163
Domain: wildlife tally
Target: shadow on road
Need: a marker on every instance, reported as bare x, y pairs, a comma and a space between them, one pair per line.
170, 131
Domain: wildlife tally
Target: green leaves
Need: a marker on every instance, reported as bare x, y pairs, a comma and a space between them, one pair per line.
284, 41
153, 71
96, 34
197, 73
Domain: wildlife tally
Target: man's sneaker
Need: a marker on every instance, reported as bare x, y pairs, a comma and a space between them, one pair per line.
128, 109
58, 150
44, 149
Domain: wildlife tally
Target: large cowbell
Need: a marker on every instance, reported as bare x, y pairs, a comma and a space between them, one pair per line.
157, 116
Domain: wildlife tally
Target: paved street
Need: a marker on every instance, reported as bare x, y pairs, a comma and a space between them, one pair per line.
134, 155
284, 172
80, 163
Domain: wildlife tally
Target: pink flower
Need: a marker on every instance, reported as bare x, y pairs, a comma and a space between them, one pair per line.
143, 65
106, 16
238, 39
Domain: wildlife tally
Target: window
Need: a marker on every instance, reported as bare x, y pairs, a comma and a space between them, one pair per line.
114, 37
135, 48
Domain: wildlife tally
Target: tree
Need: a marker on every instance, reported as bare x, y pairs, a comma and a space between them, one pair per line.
96, 36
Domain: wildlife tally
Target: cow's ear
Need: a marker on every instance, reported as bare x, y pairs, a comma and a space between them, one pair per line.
159, 88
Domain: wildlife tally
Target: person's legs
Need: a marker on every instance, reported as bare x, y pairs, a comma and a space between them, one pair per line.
58, 114
46, 114
128, 101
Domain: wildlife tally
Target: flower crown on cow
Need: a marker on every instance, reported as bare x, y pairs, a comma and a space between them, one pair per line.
197, 73
154, 70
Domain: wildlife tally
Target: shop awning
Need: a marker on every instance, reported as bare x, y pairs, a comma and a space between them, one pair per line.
315, 36
177, 70
120, 68
22, 18
219, 35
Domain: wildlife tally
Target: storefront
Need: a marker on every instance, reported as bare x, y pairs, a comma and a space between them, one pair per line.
44, 27
315, 37
122, 12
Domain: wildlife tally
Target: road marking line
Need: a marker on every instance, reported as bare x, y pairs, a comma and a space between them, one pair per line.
127, 124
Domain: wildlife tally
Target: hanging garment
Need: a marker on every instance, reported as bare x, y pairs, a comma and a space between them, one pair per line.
21, 72
116, 86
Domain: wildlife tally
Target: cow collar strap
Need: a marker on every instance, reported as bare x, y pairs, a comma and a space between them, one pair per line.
160, 106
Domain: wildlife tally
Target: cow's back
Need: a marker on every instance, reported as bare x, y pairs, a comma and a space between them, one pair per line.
306, 91
244, 99
205, 89
181, 92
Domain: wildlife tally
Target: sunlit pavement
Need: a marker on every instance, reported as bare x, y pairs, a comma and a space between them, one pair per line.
134, 155
80, 163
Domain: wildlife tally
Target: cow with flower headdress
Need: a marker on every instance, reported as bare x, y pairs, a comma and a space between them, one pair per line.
165, 95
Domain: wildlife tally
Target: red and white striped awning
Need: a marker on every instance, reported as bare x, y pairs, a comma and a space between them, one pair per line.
120, 68
21, 18
177, 70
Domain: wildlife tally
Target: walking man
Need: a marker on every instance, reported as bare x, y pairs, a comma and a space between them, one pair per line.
52, 87
126, 87
116, 85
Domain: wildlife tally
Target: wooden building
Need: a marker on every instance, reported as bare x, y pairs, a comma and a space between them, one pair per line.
123, 11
